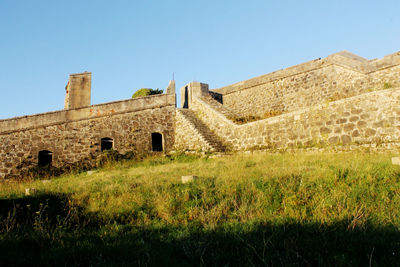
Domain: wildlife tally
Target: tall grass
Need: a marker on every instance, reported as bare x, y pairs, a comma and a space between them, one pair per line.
306, 209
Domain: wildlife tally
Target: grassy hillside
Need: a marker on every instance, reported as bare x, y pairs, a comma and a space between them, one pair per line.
282, 209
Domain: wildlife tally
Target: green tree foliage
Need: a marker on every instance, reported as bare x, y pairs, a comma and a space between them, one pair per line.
146, 91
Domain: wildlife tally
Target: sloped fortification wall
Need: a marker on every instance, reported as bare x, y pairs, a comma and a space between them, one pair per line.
338, 76
74, 136
368, 119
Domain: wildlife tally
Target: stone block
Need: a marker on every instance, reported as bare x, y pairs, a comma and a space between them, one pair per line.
334, 140
348, 127
341, 121
345, 139
370, 132
355, 133
354, 118
325, 130
356, 111
364, 116
30, 191
396, 160
377, 124
361, 124
189, 178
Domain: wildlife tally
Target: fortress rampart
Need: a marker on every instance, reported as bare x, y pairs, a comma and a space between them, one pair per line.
342, 101
335, 77
368, 119
75, 136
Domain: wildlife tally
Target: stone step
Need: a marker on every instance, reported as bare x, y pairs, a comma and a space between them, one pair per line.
229, 114
209, 137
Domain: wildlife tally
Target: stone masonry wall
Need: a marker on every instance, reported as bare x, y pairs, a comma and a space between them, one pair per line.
338, 76
370, 118
186, 135
74, 135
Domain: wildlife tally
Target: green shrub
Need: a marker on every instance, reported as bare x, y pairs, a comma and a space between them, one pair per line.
387, 86
146, 91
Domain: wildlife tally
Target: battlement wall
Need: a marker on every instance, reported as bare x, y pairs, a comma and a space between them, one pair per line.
335, 77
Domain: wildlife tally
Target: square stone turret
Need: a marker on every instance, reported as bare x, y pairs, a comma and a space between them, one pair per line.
78, 90
193, 88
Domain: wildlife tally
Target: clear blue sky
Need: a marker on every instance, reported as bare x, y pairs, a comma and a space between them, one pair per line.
128, 45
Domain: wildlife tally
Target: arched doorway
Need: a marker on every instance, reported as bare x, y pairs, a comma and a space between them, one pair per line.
156, 142
107, 143
45, 158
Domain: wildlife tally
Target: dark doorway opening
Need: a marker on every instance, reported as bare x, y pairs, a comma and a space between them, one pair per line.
45, 158
186, 103
156, 141
106, 143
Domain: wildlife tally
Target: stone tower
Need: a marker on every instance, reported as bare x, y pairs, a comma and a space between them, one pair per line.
78, 90
192, 88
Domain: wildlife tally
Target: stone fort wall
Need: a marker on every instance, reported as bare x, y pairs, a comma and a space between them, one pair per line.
338, 76
371, 120
74, 135
342, 100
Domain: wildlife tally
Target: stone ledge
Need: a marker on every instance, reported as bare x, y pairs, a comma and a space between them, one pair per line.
90, 112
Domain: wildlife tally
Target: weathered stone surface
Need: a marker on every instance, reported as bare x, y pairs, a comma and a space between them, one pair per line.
325, 130
345, 139
356, 111
324, 80
353, 118
76, 141
282, 131
377, 124
370, 132
348, 127
361, 124
338, 130
334, 140
341, 121
355, 133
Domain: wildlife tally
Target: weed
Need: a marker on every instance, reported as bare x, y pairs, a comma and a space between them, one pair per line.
387, 85
281, 209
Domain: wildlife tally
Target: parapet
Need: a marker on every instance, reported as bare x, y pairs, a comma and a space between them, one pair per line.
344, 59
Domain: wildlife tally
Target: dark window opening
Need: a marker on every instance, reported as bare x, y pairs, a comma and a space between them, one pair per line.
156, 141
45, 158
106, 144
186, 103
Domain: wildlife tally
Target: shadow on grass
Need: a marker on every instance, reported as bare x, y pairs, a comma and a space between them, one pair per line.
47, 230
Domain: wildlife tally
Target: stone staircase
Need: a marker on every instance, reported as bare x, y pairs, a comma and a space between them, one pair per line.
229, 114
207, 135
